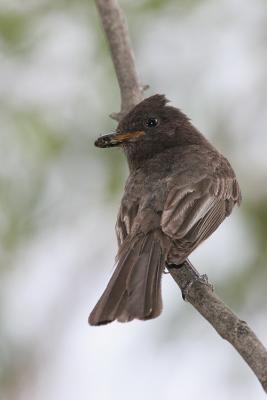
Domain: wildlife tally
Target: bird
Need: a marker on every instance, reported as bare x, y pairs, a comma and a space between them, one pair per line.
179, 190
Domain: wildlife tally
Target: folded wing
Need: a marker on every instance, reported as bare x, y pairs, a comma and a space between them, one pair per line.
193, 212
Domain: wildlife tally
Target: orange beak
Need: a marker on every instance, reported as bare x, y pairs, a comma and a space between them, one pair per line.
115, 139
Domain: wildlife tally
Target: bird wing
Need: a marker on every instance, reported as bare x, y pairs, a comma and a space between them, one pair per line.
125, 221
192, 212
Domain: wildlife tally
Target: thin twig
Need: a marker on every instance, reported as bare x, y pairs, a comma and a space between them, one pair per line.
116, 30
196, 291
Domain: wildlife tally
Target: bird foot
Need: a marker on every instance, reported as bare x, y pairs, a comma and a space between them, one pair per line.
172, 266
201, 278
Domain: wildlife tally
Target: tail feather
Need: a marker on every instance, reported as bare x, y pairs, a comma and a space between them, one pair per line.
134, 290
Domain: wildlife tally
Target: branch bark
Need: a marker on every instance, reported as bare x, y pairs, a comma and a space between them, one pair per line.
228, 325
195, 290
116, 30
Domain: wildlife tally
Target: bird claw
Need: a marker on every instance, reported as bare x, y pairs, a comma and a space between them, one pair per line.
174, 266
165, 271
171, 266
201, 278
196, 278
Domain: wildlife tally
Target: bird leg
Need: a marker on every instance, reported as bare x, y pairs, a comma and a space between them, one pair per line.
200, 278
171, 266
196, 277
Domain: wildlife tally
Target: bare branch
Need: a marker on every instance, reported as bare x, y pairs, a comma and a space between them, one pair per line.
222, 318
116, 30
197, 292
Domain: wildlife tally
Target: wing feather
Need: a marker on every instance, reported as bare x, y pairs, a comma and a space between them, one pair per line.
192, 213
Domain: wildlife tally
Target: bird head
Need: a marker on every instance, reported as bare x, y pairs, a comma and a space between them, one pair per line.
150, 122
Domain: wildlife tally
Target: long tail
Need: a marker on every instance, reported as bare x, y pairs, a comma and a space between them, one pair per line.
134, 290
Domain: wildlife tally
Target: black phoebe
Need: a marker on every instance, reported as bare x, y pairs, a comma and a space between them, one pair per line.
179, 191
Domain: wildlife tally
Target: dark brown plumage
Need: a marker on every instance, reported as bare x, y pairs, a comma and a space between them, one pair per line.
179, 191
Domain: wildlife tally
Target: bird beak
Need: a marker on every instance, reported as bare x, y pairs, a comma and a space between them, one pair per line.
115, 139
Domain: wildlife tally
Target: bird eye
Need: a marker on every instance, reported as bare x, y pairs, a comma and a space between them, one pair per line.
151, 122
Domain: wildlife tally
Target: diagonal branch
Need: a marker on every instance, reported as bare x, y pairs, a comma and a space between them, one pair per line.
116, 30
195, 290
223, 320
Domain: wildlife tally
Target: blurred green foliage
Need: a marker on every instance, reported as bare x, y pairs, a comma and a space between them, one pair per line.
37, 137
13, 29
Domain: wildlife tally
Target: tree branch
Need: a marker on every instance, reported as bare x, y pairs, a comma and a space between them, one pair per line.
116, 30
222, 318
194, 289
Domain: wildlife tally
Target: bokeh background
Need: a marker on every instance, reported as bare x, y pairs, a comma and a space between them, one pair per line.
59, 197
